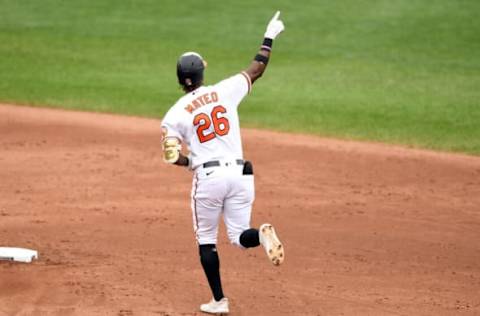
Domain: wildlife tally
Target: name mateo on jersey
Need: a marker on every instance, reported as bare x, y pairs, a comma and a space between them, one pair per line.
202, 100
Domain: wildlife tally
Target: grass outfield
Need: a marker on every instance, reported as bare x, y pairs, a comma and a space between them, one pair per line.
396, 71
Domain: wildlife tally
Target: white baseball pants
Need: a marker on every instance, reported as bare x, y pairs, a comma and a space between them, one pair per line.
221, 190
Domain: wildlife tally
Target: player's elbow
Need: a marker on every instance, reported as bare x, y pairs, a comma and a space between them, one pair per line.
256, 75
260, 73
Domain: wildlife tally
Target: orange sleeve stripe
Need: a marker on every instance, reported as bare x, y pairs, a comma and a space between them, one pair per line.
249, 81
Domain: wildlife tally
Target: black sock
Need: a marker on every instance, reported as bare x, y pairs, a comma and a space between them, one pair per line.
249, 238
211, 266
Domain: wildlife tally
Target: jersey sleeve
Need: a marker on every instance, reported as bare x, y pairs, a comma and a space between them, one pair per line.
172, 124
235, 87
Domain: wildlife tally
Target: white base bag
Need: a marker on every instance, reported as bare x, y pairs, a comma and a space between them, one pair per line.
18, 254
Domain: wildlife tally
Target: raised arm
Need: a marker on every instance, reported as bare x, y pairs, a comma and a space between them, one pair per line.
260, 62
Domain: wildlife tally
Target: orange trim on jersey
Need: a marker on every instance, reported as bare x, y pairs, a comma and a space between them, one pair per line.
249, 81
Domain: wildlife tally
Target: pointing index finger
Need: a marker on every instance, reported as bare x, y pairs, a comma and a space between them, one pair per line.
275, 17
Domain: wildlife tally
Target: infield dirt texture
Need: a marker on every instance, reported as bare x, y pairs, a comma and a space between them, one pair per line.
368, 229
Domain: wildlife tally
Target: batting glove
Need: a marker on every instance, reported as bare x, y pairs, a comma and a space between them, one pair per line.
274, 27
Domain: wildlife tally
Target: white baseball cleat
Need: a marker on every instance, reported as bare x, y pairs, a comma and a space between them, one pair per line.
214, 307
271, 243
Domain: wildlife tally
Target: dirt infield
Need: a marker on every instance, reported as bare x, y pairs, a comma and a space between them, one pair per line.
368, 229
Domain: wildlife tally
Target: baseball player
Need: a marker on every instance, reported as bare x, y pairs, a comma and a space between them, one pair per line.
206, 120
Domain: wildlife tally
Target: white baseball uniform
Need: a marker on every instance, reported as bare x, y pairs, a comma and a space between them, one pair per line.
206, 120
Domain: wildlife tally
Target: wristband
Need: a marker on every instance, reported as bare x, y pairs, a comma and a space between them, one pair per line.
261, 59
267, 44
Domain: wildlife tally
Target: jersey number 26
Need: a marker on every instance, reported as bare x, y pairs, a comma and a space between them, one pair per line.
220, 124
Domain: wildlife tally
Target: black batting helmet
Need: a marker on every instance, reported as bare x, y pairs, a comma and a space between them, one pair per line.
190, 68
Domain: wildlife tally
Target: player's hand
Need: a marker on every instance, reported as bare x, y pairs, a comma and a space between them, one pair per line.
274, 27
171, 149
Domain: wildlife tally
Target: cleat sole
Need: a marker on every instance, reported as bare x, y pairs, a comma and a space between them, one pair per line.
272, 244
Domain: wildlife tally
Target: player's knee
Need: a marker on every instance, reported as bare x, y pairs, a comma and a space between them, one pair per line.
206, 238
234, 239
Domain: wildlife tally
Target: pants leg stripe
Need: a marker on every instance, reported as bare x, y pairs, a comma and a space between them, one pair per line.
195, 206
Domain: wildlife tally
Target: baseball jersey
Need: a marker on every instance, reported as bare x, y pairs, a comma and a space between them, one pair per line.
206, 120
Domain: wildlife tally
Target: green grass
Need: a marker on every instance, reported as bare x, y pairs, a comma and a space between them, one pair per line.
396, 71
